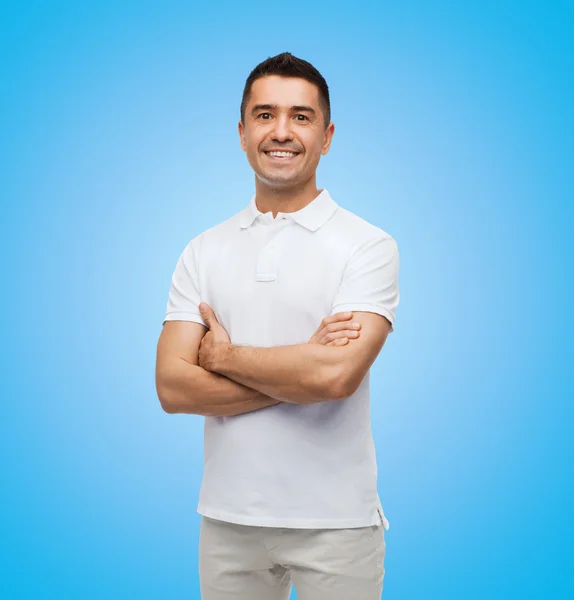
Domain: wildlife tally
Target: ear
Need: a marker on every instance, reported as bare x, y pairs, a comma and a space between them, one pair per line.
328, 137
241, 130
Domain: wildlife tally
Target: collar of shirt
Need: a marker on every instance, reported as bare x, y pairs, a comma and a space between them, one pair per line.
312, 216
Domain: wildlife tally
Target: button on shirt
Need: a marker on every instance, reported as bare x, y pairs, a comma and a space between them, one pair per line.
270, 282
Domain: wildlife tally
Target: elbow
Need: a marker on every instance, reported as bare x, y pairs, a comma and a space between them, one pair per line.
340, 390
173, 402
167, 394
343, 384
163, 390
168, 408
165, 400
175, 394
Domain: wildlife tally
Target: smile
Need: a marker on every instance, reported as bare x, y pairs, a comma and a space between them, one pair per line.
282, 155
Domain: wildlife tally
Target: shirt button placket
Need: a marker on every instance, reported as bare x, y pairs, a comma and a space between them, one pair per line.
269, 258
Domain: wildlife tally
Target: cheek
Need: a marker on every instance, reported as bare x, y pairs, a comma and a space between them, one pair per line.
313, 144
249, 147
252, 154
252, 144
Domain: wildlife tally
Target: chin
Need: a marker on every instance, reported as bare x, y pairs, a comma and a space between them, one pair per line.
277, 182
279, 179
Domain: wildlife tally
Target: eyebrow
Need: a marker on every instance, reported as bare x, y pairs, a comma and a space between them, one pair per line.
296, 108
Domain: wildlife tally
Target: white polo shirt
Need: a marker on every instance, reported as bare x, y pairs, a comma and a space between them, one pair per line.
270, 283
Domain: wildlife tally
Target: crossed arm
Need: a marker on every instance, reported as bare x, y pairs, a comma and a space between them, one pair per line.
222, 379
299, 373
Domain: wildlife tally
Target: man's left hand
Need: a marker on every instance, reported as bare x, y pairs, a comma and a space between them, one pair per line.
214, 341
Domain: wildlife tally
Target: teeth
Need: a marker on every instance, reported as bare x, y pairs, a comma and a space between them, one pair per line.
289, 154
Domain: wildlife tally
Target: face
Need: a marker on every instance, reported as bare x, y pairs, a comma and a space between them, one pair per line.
284, 132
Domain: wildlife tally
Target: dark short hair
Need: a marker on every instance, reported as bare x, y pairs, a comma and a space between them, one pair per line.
287, 65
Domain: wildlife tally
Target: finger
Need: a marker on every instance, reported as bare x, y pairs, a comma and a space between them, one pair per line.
340, 316
334, 327
337, 317
338, 342
326, 322
330, 337
207, 314
342, 325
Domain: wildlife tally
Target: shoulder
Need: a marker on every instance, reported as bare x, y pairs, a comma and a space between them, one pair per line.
213, 236
356, 230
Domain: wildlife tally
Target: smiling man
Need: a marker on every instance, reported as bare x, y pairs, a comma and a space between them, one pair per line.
258, 338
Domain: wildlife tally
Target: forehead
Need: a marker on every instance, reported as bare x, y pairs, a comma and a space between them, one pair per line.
284, 91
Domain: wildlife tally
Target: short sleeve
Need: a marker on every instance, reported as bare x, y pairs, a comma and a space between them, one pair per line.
184, 293
370, 281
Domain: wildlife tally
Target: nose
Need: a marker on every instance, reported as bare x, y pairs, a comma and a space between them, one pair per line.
282, 131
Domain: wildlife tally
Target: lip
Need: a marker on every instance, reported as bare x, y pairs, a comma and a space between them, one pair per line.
281, 158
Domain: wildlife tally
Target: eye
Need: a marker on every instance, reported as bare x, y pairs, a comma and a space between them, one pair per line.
264, 116
301, 117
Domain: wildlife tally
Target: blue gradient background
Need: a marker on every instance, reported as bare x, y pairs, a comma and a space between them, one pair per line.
119, 144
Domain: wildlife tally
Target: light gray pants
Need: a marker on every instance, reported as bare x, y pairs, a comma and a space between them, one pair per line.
244, 562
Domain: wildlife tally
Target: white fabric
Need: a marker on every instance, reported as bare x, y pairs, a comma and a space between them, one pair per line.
270, 283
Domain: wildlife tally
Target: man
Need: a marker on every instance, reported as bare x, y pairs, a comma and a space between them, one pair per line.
256, 339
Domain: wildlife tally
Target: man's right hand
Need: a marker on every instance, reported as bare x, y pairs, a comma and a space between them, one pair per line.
336, 330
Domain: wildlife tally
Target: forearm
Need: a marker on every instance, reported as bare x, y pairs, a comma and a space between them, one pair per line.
300, 374
193, 390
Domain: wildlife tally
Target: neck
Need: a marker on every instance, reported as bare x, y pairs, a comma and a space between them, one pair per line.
286, 200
